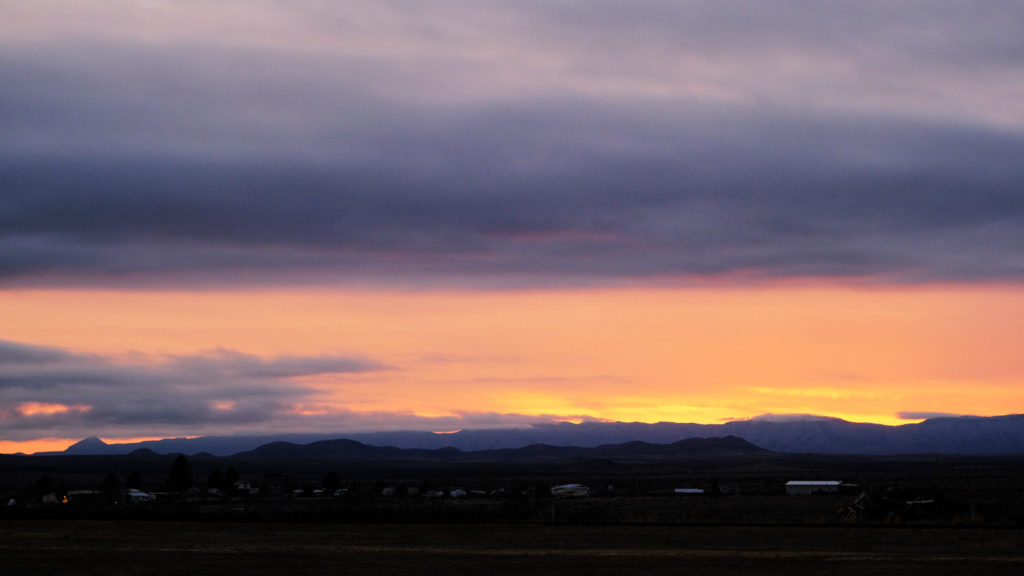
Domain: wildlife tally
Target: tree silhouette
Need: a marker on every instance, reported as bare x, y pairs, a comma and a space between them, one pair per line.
215, 479
110, 487
230, 478
134, 480
331, 482
44, 484
179, 477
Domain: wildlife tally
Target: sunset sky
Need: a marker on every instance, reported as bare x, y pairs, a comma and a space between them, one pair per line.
248, 217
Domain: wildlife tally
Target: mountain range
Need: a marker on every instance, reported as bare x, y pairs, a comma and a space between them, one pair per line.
800, 434
343, 449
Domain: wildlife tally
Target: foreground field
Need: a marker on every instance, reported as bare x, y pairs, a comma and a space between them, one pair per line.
166, 548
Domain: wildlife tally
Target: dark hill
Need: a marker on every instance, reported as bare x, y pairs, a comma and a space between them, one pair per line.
979, 436
343, 449
90, 445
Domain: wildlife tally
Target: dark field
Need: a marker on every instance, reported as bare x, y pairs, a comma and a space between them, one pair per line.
922, 515
131, 547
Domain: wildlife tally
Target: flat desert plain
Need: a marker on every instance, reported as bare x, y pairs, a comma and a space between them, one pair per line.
63, 547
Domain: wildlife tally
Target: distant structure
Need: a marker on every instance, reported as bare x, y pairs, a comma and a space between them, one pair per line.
570, 491
800, 487
138, 496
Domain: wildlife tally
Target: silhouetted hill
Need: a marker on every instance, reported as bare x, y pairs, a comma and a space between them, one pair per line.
339, 449
966, 435
342, 449
980, 436
821, 435
729, 445
91, 446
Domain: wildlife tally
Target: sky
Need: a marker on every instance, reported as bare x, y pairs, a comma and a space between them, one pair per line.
242, 217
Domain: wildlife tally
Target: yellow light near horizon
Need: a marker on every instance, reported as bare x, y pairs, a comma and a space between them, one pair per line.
706, 354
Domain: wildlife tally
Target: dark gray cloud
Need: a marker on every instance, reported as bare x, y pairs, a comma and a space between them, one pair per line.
50, 391
15, 354
536, 142
237, 364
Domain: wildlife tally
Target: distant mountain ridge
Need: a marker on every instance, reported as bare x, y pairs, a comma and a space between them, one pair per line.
966, 435
343, 449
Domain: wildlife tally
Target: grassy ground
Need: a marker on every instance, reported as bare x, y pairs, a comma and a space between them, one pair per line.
186, 548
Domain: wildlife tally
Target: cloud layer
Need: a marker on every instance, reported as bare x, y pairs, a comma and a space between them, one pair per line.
535, 142
51, 392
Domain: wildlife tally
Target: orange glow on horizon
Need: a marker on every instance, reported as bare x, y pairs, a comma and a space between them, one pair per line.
38, 445
59, 444
702, 355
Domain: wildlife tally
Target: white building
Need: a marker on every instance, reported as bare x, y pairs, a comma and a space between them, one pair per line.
794, 487
138, 496
570, 491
